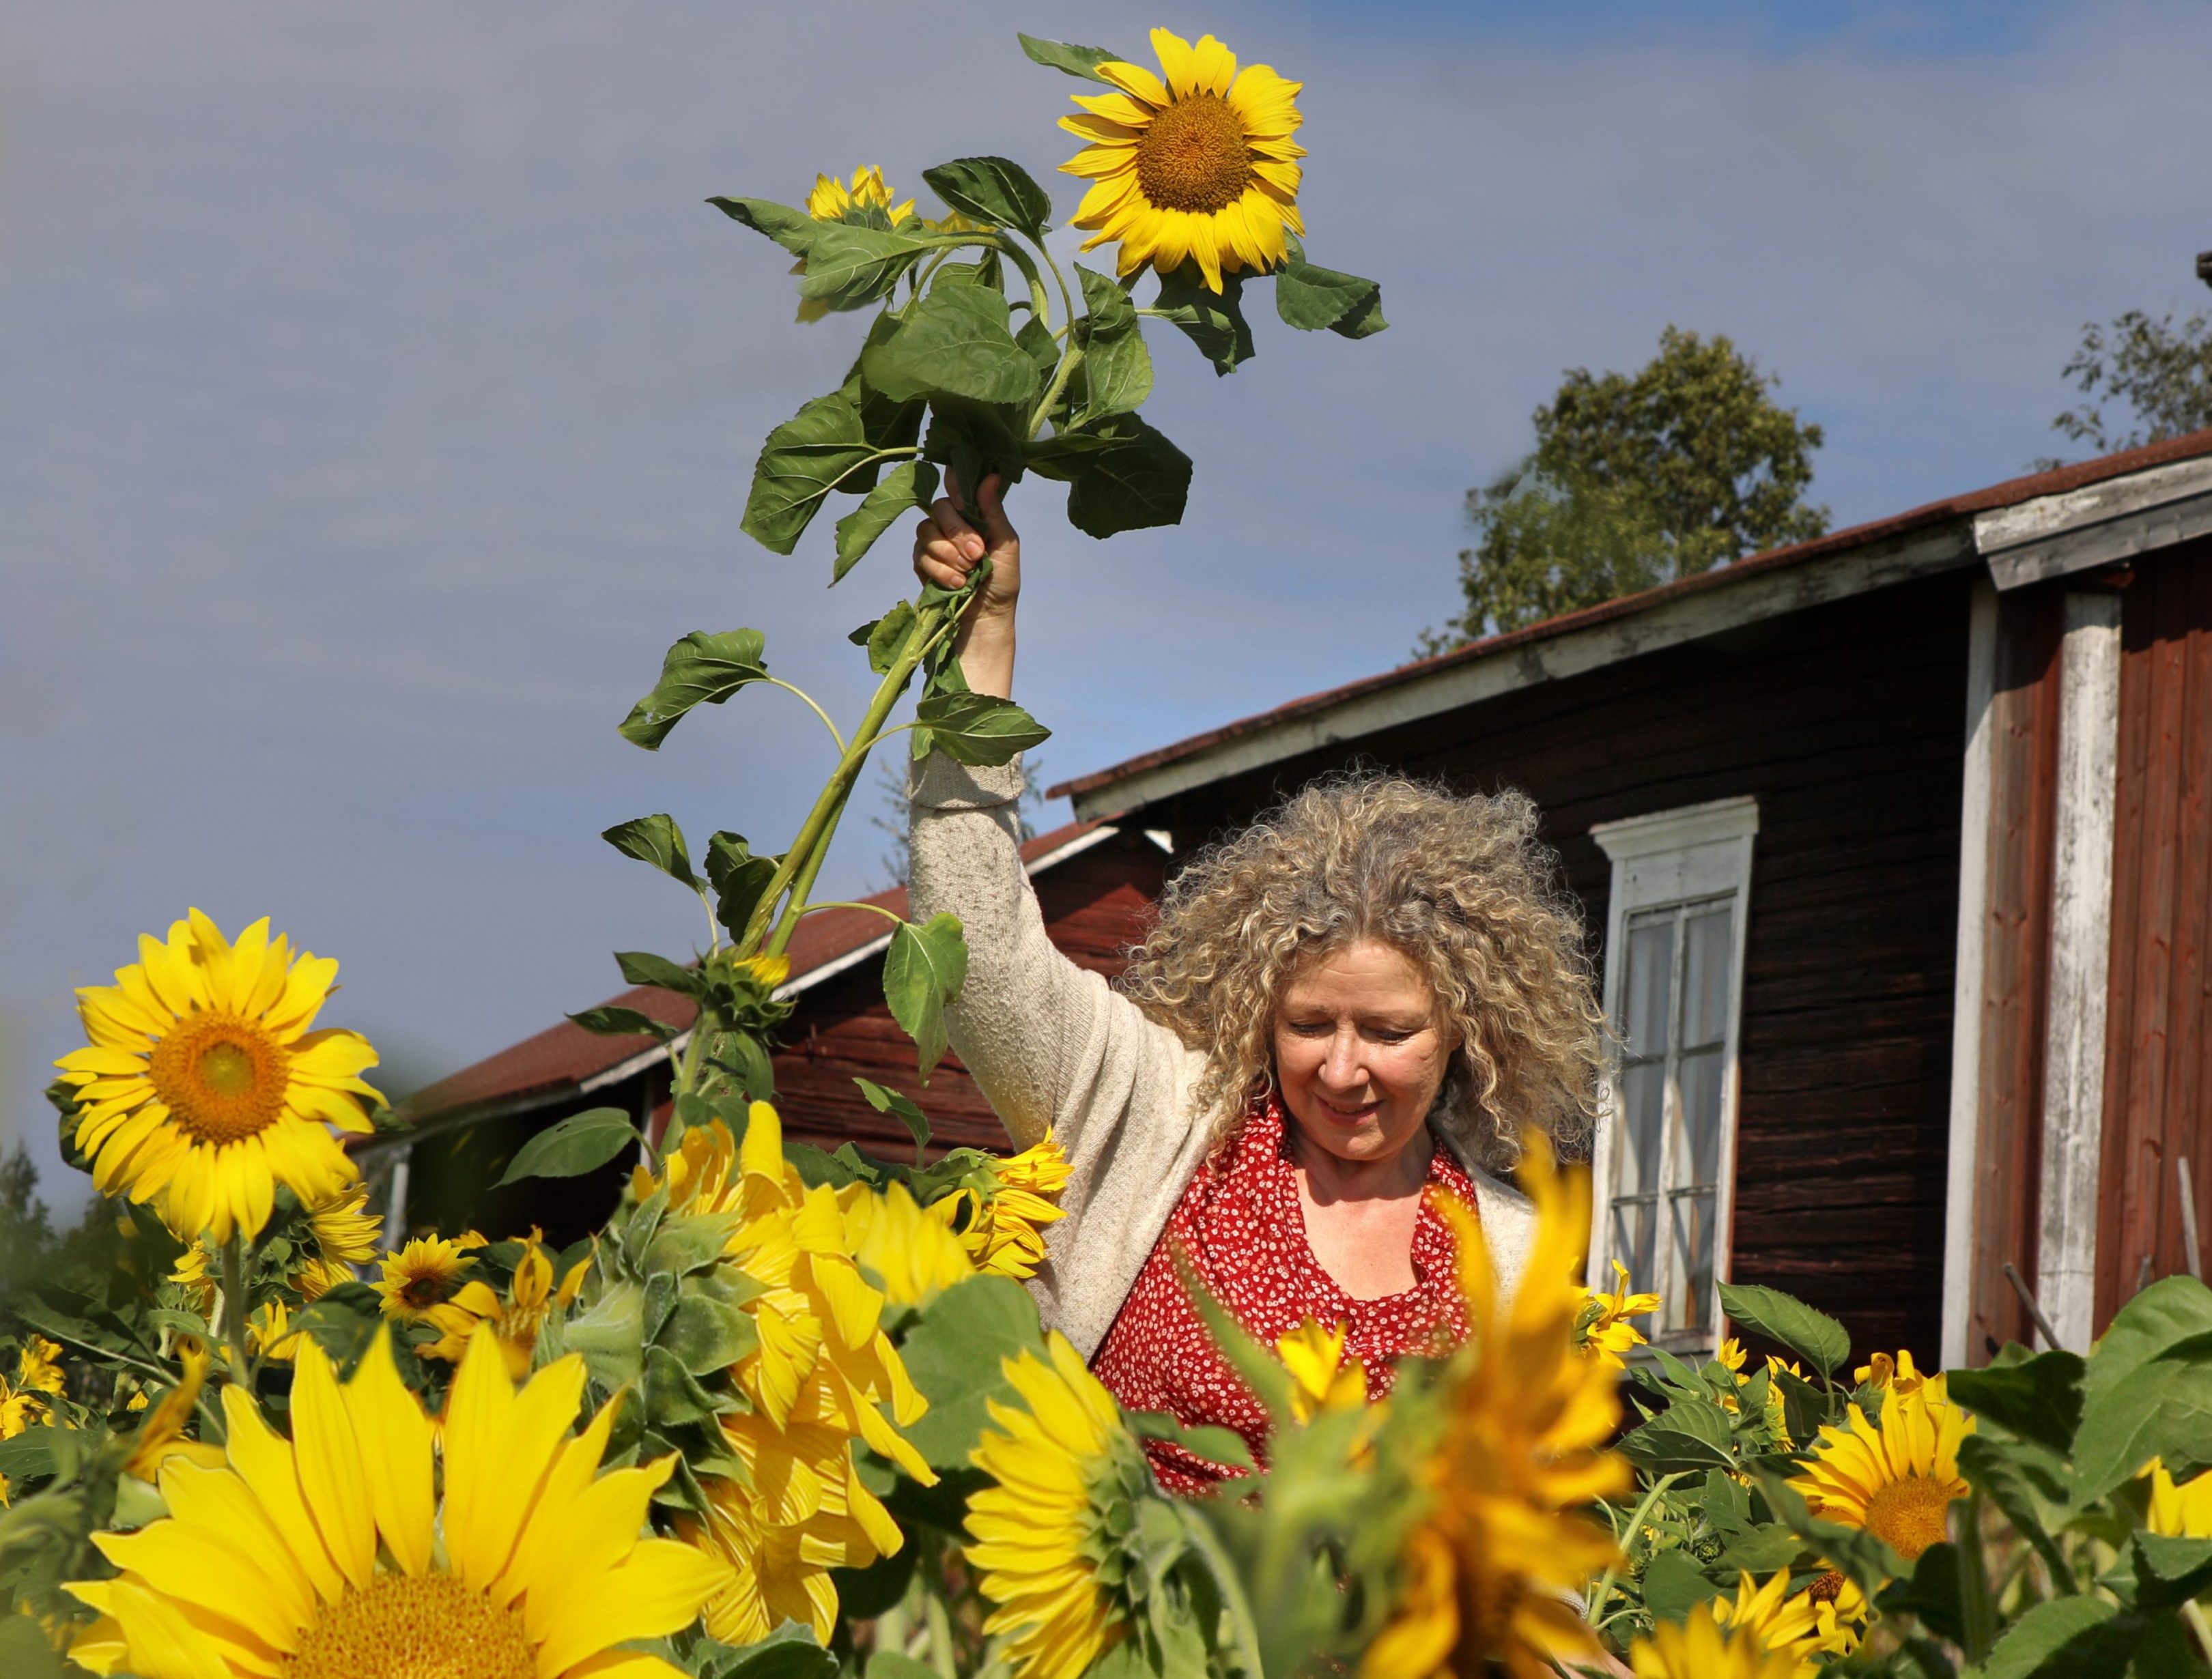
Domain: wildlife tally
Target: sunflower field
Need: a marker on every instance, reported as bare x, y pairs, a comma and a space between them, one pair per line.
792, 1415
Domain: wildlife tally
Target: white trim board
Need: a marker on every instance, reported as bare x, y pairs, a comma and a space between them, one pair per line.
2080, 949
1666, 623
1971, 980
2100, 525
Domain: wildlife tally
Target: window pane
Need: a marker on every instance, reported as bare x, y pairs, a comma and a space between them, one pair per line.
1710, 946
1697, 1155
1642, 1116
1690, 1307
1635, 1223
1645, 1008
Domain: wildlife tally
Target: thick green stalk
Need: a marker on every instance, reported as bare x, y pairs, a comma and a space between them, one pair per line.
810, 847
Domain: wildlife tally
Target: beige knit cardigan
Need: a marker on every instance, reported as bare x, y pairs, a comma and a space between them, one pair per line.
1052, 1047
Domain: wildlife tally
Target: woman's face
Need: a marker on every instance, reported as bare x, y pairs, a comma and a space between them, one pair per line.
1361, 1050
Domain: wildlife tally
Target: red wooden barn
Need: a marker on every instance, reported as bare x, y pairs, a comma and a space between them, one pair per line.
1896, 853
1096, 883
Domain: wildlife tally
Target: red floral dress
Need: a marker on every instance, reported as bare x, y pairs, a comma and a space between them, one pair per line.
1240, 1224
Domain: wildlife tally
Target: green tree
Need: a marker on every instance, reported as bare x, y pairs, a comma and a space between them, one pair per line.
1636, 480
2161, 371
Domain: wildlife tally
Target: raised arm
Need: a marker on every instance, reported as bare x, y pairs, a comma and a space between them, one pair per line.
1048, 1042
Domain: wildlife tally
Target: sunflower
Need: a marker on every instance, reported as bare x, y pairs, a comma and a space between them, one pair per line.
1065, 1475
1602, 1330
321, 1557
425, 1273
1885, 1372
161, 1435
38, 1366
1001, 1224
516, 1316
1896, 1478
1196, 164
2181, 1510
203, 1087
1820, 1621
912, 1257
1700, 1649
821, 1373
1521, 1451
1321, 1377
831, 199
345, 1234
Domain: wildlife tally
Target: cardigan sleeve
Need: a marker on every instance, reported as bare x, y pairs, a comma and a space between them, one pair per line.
1049, 1044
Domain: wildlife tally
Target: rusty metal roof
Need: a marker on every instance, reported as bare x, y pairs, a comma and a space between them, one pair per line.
1102, 793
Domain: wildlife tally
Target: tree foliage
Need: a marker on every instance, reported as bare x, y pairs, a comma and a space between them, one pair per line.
1636, 480
2161, 371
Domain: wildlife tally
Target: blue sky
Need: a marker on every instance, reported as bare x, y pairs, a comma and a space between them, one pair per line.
380, 401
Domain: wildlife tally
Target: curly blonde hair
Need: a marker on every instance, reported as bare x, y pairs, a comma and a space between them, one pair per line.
1461, 885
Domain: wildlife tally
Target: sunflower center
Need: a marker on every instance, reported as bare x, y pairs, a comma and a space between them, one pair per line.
221, 1077
1193, 157
425, 1289
1827, 1589
1910, 1513
403, 1627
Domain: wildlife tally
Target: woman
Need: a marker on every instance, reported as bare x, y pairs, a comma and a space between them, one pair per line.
1370, 971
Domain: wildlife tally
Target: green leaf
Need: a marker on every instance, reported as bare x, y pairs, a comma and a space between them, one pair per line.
979, 729
1689, 1434
902, 1108
956, 1352
922, 972
975, 440
2164, 1410
1931, 1595
985, 271
25, 1652
29, 1455
2171, 1311
1122, 476
610, 1335
848, 266
701, 670
1216, 1445
1079, 61
1213, 320
1673, 1584
1116, 370
706, 1336
642, 967
792, 229
580, 1144
1813, 1335
788, 1652
2039, 1398
655, 839
673, 1396
1311, 298
909, 485
343, 1322
994, 190
691, 1243
613, 1021
893, 1664
738, 877
959, 342
2169, 1569
2030, 1483
2049, 1640
887, 635
1040, 346
821, 447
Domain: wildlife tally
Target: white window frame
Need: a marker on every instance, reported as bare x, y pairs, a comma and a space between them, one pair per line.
1662, 861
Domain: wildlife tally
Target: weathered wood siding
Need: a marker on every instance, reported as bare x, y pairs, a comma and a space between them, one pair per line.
2158, 1065
2024, 769
1845, 722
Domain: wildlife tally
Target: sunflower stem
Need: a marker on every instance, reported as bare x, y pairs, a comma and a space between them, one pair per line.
1635, 1522
233, 1308
1040, 305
